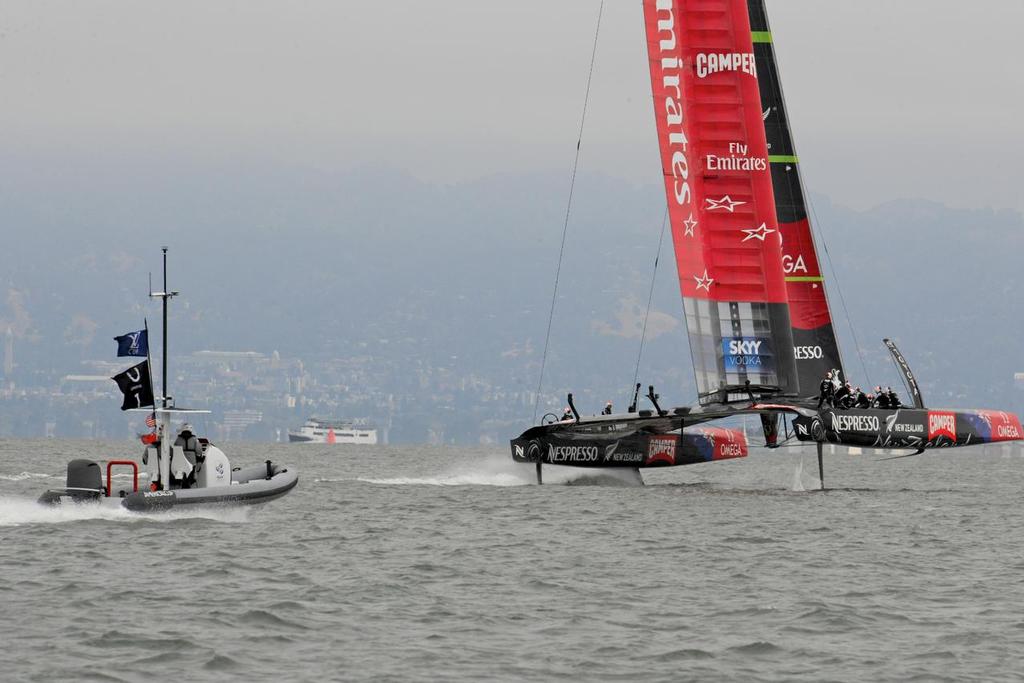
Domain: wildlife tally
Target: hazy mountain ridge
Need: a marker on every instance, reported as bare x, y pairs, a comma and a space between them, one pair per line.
372, 262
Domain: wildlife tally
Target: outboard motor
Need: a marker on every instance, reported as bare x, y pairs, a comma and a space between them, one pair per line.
84, 483
84, 474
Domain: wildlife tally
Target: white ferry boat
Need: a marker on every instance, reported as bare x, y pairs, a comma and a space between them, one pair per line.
326, 431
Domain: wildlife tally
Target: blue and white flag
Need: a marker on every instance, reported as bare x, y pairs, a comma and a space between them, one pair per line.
133, 344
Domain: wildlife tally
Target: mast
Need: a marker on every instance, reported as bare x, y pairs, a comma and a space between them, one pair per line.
164, 359
164, 296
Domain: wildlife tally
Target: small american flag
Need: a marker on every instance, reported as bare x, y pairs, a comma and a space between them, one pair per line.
151, 420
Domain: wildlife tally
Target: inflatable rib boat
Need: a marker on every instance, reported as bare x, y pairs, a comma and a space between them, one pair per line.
210, 481
184, 470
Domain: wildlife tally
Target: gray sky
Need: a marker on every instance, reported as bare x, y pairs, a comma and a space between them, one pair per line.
889, 98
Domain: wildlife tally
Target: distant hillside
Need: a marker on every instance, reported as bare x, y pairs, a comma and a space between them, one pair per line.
320, 264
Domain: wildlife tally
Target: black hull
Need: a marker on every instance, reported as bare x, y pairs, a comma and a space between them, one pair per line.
632, 444
911, 428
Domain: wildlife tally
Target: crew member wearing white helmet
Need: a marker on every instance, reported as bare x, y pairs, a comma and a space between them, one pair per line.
192, 449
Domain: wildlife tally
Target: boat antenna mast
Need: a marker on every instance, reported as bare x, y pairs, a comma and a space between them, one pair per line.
163, 296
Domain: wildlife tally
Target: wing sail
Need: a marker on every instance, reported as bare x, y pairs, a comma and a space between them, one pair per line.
729, 256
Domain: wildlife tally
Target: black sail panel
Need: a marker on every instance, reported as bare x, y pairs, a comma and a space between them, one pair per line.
815, 347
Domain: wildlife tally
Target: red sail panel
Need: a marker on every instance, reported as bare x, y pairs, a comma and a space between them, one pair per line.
808, 307
725, 232
714, 151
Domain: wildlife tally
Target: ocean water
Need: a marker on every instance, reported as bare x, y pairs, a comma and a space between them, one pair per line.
449, 564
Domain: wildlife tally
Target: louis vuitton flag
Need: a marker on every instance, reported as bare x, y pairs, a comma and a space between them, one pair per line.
136, 386
133, 344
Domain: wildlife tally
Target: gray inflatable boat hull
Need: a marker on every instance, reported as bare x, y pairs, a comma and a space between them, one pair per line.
252, 487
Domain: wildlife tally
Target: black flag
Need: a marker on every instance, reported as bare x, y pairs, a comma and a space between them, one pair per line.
136, 386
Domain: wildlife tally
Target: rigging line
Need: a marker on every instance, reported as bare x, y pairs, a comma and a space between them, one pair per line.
650, 297
568, 209
839, 290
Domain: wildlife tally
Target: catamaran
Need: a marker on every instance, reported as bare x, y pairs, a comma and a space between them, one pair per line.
184, 470
757, 315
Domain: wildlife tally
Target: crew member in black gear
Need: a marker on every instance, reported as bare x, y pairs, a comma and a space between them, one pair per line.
567, 414
894, 400
827, 390
862, 399
881, 400
842, 397
607, 408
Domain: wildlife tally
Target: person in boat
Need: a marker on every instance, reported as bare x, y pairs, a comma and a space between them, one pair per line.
567, 415
894, 400
842, 397
881, 399
192, 449
827, 391
851, 397
862, 399
607, 408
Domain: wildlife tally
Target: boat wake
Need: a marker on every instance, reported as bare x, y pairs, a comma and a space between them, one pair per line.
798, 479
16, 511
28, 475
500, 472
798, 485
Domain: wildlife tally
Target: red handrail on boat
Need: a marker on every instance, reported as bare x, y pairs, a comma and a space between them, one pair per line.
135, 473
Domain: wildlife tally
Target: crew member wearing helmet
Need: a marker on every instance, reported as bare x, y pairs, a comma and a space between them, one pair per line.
192, 449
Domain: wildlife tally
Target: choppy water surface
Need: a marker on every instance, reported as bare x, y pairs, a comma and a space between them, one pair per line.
402, 563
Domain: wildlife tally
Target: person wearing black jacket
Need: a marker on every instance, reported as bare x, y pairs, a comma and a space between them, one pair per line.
826, 391
881, 399
894, 400
862, 399
842, 397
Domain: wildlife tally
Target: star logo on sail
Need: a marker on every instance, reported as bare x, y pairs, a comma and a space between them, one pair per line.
704, 282
726, 202
758, 233
688, 225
